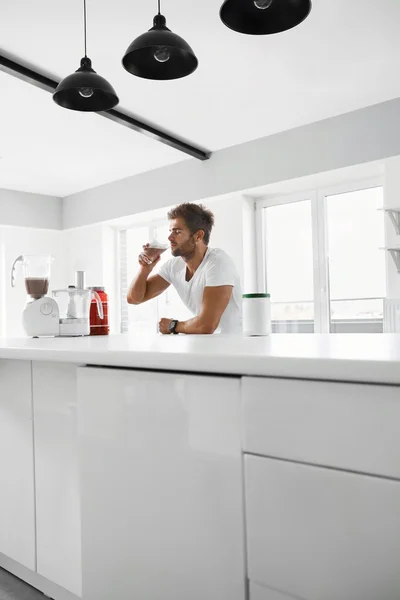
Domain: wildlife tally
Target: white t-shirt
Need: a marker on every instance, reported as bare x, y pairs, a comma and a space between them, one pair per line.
216, 268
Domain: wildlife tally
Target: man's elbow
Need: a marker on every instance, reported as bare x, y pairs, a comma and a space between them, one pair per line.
207, 328
132, 300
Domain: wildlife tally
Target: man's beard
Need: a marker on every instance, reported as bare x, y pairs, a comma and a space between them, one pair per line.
187, 252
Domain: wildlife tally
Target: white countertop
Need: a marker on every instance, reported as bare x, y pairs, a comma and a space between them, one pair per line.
369, 357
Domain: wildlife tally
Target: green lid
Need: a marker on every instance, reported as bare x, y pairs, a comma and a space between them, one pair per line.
256, 296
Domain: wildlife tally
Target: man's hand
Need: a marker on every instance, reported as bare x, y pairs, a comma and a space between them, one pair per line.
145, 263
163, 326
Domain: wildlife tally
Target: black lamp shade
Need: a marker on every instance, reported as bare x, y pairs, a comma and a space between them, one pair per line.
98, 94
139, 58
261, 17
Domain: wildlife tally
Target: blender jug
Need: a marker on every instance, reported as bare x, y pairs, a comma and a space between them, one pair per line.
36, 268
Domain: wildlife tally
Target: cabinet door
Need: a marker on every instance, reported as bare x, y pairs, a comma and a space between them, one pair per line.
321, 534
57, 474
345, 425
161, 476
260, 592
17, 505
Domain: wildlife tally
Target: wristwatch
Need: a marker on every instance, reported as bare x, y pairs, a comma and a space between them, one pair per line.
172, 326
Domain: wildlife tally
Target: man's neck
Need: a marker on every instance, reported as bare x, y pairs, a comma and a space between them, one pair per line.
195, 261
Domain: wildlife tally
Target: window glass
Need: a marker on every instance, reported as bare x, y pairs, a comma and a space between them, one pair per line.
289, 260
357, 281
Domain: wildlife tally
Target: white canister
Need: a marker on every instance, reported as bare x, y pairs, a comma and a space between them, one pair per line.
256, 314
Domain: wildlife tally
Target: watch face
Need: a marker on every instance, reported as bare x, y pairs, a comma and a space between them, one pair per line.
172, 326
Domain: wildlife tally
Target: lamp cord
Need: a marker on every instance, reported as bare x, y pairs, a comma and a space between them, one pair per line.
159, 7
84, 22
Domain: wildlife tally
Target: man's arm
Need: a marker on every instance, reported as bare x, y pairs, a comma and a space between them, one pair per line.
145, 287
215, 301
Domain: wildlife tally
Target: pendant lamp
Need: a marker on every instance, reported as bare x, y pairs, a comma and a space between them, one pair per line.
159, 53
260, 17
84, 90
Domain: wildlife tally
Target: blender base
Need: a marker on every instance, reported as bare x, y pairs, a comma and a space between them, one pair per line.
74, 327
41, 318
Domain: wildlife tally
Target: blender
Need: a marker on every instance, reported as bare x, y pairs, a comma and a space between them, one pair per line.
66, 313
41, 315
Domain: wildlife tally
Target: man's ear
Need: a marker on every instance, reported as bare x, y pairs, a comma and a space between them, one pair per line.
199, 235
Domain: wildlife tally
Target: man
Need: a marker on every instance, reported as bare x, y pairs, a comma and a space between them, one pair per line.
205, 278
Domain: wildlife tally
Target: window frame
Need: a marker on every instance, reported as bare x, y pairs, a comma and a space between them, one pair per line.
320, 243
121, 232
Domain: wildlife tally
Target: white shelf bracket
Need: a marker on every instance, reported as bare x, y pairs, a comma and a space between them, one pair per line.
395, 218
395, 254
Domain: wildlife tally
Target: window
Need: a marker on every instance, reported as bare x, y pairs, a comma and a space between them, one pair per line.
321, 259
357, 284
144, 318
289, 257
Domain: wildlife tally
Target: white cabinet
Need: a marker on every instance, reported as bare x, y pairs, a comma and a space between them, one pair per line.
17, 513
345, 425
260, 592
321, 534
57, 475
161, 477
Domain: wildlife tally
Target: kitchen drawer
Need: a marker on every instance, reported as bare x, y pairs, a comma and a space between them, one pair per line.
344, 425
321, 534
259, 592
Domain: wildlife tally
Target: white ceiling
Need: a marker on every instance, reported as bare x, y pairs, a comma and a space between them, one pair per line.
345, 56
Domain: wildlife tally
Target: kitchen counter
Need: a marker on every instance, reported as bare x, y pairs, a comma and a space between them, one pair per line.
106, 469
364, 358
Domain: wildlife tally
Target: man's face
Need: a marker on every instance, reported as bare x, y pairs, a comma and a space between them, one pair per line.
181, 239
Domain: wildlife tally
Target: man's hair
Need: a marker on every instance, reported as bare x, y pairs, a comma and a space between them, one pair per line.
196, 216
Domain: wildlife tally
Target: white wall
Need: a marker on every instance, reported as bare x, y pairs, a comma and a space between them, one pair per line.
29, 224
365, 135
249, 247
228, 231
84, 253
93, 250
30, 210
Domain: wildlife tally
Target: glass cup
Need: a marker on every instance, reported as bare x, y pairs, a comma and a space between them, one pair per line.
153, 250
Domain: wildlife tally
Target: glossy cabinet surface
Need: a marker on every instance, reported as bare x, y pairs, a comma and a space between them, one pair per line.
344, 425
260, 592
161, 477
57, 475
17, 506
318, 533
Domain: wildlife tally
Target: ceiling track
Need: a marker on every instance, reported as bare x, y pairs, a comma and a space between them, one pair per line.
49, 85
